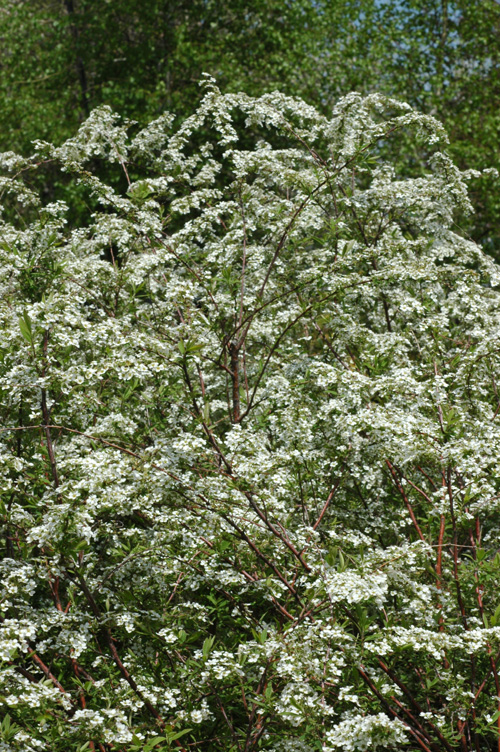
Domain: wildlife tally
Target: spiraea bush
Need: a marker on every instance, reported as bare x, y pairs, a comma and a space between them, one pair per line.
250, 439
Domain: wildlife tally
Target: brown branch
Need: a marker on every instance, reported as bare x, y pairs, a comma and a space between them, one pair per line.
492, 659
46, 416
263, 557
439, 570
416, 735
285, 235
406, 500
327, 502
447, 481
244, 259
112, 648
330, 346
45, 670
195, 273
275, 346
416, 705
260, 687
276, 532
234, 349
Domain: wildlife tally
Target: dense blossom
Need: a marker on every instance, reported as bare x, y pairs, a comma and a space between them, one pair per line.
249, 440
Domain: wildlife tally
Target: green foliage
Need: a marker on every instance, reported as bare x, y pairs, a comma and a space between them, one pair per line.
141, 58
63, 58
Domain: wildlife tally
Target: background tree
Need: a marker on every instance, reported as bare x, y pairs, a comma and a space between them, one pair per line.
61, 58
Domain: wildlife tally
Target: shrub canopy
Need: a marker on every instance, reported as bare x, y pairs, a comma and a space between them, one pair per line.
249, 439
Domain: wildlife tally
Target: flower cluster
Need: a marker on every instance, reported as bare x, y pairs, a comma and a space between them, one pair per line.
250, 438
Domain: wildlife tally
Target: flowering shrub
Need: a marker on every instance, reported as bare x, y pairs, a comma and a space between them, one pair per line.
249, 440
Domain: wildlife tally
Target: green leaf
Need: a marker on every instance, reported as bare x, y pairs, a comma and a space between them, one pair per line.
25, 327
207, 646
341, 565
154, 743
331, 556
133, 386
140, 192
494, 718
206, 412
173, 737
